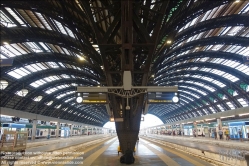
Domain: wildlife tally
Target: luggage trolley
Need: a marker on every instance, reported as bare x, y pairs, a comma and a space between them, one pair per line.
13, 145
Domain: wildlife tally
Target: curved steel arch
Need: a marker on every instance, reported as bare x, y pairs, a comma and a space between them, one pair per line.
227, 40
218, 22
223, 80
183, 17
32, 58
223, 68
42, 35
210, 54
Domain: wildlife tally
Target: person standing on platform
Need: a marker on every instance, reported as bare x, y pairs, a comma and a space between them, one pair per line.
227, 134
240, 135
215, 134
220, 133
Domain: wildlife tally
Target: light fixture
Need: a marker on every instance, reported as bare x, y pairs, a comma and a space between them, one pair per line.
243, 114
24, 92
38, 98
210, 119
175, 99
168, 41
79, 98
3, 84
81, 58
227, 116
5, 43
237, 1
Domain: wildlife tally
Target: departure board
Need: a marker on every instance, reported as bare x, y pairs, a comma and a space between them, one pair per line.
94, 98
161, 97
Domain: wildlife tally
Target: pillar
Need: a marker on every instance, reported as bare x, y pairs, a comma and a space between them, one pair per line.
34, 130
182, 129
57, 129
195, 128
71, 130
81, 130
219, 127
87, 130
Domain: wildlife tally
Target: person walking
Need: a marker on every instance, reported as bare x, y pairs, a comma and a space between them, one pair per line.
220, 134
240, 135
227, 134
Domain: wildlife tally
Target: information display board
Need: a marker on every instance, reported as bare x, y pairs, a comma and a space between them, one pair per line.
94, 98
161, 97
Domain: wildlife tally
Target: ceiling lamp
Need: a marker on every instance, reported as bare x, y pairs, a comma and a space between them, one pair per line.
79, 99
3, 84
24, 92
175, 99
168, 41
38, 98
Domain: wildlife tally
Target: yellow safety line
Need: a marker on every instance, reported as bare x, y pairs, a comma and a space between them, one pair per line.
166, 159
183, 156
88, 149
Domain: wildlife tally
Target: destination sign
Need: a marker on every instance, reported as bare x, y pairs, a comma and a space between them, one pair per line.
161, 97
6, 62
94, 98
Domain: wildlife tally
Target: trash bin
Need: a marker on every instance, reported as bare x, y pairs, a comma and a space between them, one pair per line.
48, 137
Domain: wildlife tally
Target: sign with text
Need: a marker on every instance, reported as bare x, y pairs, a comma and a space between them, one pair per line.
94, 98
246, 59
160, 97
6, 62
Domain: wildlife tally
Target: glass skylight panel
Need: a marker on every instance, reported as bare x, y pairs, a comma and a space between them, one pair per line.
243, 68
205, 111
70, 99
52, 64
219, 83
3, 56
220, 107
186, 96
217, 47
230, 77
242, 102
49, 103
38, 83
234, 30
230, 105
65, 76
230, 63
205, 69
61, 27
207, 78
70, 33
224, 31
19, 73
208, 47
218, 72
245, 9
51, 90
35, 67
245, 51
32, 46
9, 51
45, 23
44, 46
19, 49
15, 16
51, 78
211, 108
6, 21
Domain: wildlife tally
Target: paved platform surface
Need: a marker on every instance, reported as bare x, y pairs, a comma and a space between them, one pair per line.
202, 143
147, 153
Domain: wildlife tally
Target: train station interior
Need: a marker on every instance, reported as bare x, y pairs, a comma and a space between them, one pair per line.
69, 67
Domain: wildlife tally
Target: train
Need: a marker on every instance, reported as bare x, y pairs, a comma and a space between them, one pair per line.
42, 131
206, 130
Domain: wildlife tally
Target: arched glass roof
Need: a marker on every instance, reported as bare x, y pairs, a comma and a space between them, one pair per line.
55, 50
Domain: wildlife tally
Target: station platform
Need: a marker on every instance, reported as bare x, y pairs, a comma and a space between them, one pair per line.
156, 150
